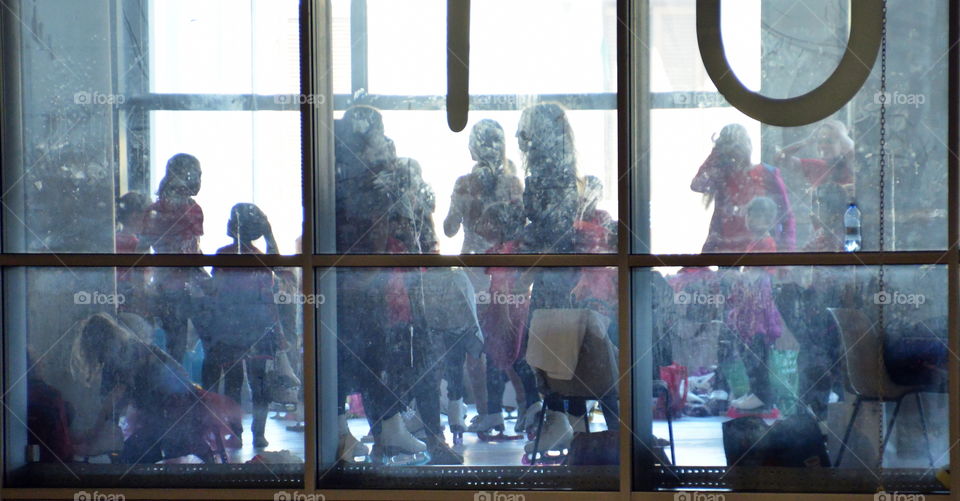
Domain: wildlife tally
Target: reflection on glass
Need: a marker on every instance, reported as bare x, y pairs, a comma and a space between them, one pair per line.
708, 161
555, 208
105, 115
798, 367
553, 119
751, 211
414, 345
574, 43
139, 376
225, 47
266, 171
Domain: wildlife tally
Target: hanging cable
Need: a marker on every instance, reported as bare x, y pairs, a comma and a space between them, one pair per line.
881, 324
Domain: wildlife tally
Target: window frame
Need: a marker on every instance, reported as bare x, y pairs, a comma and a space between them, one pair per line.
633, 104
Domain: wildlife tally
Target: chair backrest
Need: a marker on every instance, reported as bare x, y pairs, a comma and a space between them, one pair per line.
695, 344
596, 372
863, 349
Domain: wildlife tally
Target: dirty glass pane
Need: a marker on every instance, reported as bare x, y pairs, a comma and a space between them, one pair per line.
453, 367
153, 377
738, 186
143, 123
537, 161
792, 379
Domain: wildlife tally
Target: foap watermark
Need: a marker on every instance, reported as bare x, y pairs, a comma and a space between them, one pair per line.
498, 496
899, 98
87, 97
299, 99
698, 496
97, 298
698, 298
297, 496
484, 297
897, 496
298, 298
699, 100
516, 101
886, 298
97, 496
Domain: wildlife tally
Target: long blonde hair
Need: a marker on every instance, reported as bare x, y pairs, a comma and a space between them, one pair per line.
734, 147
548, 136
100, 336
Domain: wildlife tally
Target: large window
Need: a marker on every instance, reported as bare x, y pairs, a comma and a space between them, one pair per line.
153, 128
244, 255
752, 377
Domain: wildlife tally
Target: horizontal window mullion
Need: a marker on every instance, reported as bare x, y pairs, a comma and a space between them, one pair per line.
331, 494
146, 260
793, 259
468, 260
237, 493
480, 102
475, 260
384, 102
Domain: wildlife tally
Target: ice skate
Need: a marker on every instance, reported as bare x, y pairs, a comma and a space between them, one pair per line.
527, 420
411, 419
441, 453
553, 443
349, 449
396, 438
578, 423
490, 428
396, 446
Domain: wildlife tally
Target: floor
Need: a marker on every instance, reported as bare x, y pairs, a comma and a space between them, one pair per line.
276, 433
698, 442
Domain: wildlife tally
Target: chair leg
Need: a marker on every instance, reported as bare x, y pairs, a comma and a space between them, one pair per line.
669, 414
586, 416
923, 425
893, 421
673, 445
536, 440
846, 434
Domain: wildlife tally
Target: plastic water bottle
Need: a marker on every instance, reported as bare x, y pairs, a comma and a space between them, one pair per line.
851, 221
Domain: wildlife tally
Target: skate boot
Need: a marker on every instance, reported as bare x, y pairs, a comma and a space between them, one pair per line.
441, 453
578, 423
411, 419
527, 420
349, 449
553, 443
490, 428
397, 446
456, 412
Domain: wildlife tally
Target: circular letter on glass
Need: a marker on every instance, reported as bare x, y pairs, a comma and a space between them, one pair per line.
866, 23
458, 63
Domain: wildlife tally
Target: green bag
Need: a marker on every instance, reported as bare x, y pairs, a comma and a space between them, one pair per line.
783, 378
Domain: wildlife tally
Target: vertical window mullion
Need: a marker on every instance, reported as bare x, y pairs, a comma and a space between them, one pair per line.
953, 235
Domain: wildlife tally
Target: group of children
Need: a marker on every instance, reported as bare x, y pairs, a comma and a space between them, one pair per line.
403, 330
233, 312
752, 213
400, 330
